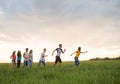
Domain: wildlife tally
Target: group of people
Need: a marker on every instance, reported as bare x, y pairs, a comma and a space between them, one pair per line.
28, 57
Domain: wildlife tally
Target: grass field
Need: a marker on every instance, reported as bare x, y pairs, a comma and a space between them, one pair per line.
89, 72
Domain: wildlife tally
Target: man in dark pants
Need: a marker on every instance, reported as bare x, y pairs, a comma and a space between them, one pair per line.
59, 51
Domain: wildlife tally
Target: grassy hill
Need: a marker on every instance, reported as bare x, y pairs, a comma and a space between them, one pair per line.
89, 72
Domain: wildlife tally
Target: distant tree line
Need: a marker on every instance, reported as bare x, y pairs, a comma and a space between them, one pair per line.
106, 58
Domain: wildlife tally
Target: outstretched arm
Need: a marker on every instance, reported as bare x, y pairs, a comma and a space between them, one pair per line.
73, 53
84, 52
46, 55
53, 52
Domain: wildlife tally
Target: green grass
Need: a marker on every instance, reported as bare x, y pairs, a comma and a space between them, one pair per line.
89, 72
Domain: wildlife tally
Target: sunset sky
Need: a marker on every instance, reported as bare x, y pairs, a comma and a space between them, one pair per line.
92, 24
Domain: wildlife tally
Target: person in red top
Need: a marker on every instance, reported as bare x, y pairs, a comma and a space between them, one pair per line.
13, 57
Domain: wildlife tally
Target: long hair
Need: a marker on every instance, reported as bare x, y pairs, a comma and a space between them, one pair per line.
19, 53
13, 52
30, 51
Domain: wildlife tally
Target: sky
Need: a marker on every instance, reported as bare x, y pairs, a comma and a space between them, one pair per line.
92, 24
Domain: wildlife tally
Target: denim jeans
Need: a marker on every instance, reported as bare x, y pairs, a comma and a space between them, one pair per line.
30, 63
43, 62
25, 63
77, 62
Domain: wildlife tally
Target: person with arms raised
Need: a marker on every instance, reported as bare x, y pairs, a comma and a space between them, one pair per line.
59, 51
78, 52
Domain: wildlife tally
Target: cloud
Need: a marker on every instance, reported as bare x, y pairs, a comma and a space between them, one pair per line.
95, 33
65, 9
54, 20
92, 24
1, 12
74, 9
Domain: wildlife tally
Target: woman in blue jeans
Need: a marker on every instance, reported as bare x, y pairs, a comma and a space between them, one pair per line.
78, 52
30, 58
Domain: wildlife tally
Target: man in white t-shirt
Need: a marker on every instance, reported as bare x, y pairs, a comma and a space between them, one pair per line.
59, 51
42, 58
26, 58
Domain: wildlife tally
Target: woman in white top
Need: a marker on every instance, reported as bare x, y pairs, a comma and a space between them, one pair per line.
30, 58
42, 57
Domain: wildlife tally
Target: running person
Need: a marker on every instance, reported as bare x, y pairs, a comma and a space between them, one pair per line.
42, 58
78, 52
59, 51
